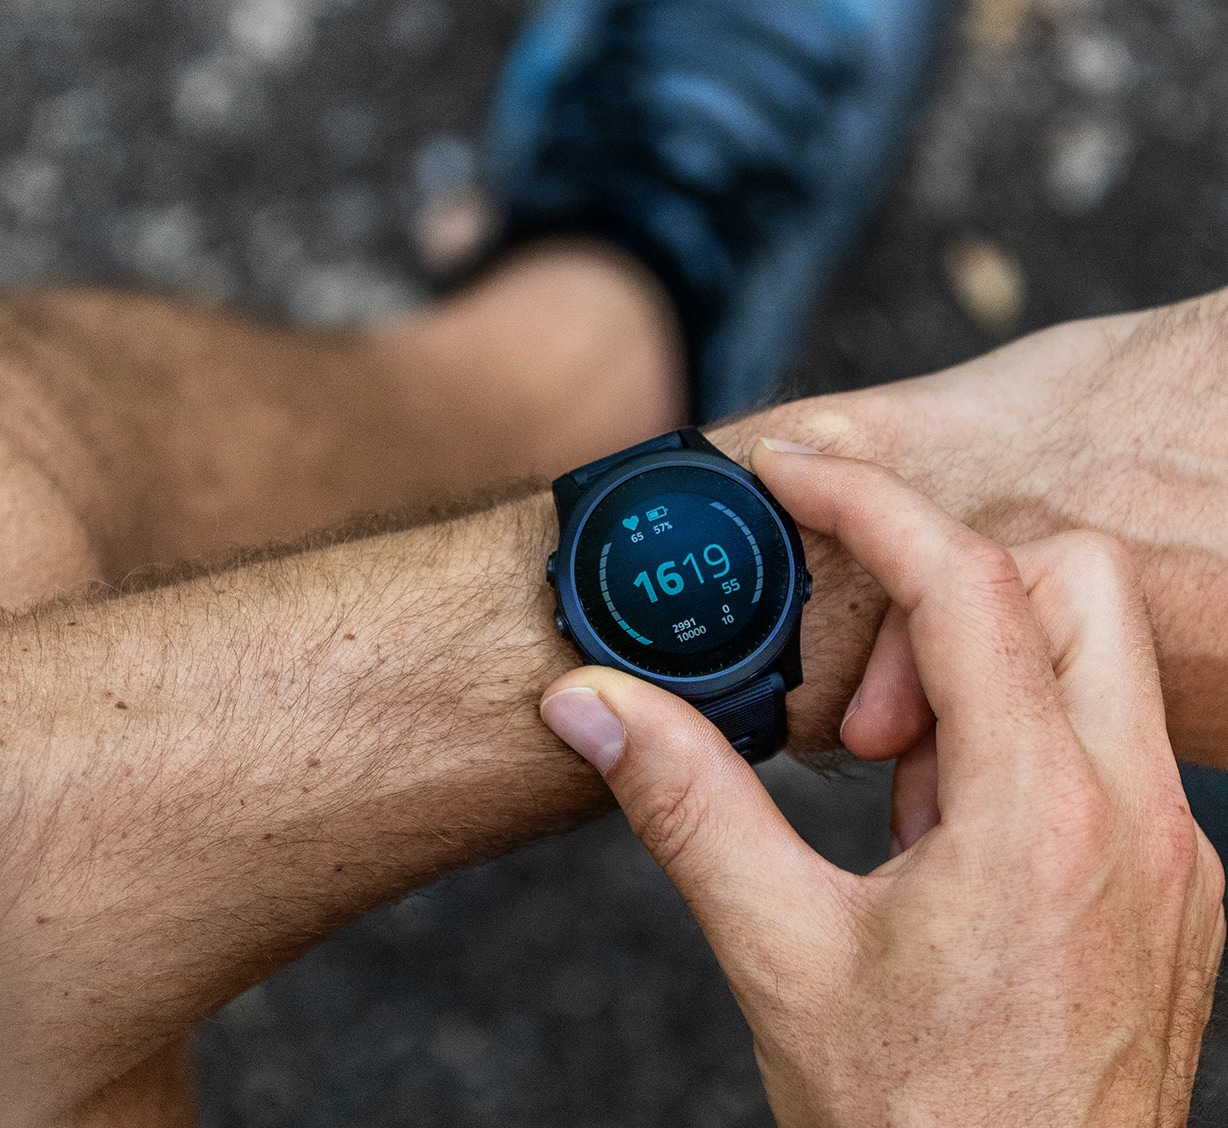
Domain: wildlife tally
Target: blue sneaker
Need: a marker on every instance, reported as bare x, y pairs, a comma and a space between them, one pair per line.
737, 148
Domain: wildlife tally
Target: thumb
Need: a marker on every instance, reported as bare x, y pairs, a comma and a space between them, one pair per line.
694, 803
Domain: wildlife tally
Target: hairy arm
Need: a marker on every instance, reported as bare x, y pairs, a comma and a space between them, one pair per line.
203, 779
1117, 424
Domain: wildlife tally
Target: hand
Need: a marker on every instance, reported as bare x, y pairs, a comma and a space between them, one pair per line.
1117, 424
1045, 954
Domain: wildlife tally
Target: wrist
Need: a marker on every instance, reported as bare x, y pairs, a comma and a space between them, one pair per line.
268, 752
475, 618
1046, 436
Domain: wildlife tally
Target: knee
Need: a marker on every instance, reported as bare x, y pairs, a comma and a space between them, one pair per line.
45, 548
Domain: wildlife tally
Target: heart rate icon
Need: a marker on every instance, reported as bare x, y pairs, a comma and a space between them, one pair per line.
631, 522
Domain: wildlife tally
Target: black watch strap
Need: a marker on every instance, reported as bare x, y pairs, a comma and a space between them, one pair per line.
753, 717
688, 438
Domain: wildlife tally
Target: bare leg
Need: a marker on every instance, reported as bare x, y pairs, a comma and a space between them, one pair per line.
560, 356
135, 430
171, 432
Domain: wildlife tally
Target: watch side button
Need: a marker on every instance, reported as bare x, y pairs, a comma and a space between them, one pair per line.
552, 566
808, 589
561, 624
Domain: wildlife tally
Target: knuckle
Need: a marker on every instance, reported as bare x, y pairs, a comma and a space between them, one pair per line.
1176, 835
882, 479
668, 821
988, 566
1101, 563
1212, 869
1098, 574
1096, 577
880, 472
1088, 826
1175, 846
1088, 819
1079, 831
1099, 549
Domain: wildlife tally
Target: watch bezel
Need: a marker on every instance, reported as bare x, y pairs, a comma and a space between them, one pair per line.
590, 643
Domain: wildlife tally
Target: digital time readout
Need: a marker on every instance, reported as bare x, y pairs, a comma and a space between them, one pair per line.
687, 579
677, 580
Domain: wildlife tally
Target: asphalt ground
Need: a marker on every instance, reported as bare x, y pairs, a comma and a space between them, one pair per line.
313, 160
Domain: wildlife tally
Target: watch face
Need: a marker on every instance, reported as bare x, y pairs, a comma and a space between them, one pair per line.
683, 571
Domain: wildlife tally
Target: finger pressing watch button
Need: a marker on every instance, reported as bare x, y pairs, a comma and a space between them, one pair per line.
676, 565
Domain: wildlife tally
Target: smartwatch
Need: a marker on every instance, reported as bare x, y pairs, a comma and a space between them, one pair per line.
676, 565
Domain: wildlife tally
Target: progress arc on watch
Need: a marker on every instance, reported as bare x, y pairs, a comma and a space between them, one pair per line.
675, 564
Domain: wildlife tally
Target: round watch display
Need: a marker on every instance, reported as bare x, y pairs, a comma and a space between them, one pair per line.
683, 571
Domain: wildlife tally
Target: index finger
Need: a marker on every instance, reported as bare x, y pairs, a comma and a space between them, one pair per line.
982, 657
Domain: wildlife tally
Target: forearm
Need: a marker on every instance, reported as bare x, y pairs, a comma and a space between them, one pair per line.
203, 780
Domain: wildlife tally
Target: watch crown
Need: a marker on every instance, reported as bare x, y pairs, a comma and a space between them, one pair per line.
808, 590
552, 563
561, 624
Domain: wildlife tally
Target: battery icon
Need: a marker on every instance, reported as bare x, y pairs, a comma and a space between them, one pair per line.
656, 514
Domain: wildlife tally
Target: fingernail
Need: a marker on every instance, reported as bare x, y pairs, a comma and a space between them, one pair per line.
786, 447
854, 705
583, 721
897, 847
